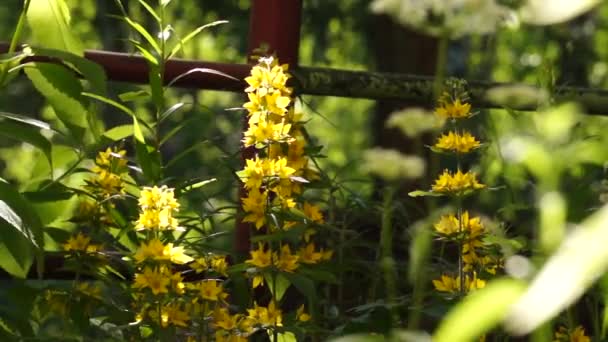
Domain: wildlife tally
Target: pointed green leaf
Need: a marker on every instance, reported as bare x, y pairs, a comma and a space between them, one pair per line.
21, 232
193, 34
419, 193
49, 22
277, 286
91, 71
63, 91
29, 134
119, 132
144, 33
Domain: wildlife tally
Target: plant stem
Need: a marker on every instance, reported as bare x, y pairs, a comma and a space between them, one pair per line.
14, 41
386, 245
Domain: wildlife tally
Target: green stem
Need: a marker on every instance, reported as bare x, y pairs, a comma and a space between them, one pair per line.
14, 41
386, 245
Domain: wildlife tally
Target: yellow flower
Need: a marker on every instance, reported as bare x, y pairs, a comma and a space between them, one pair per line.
265, 132
200, 265
153, 250
258, 280
286, 261
210, 290
457, 143
155, 279
267, 76
224, 320
80, 243
254, 206
112, 159
308, 255
452, 285
266, 316
253, 174
456, 183
313, 212
301, 315
453, 110
576, 335
219, 265
109, 169
449, 225
171, 314
158, 198
259, 257
177, 283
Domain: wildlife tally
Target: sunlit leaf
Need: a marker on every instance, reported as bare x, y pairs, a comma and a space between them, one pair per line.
119, 132
479, 312
201, 70
63, 91
22, 232
49, 22
144, 33
24, 133
579, 261
91, 71
193, 34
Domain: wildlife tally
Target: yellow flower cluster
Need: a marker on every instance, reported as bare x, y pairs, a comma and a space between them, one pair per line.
456, 142
273, 180
453, 284
577, 334
458, 183
161, 293
80, 243
110, 169
465, 230
157, 207
452, 109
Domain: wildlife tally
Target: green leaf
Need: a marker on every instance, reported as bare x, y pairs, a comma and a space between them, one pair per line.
201, 70
49, 22
287, 336
29, 134
480, 311
578, 262
134, 95
116, 105
21, 235
193, 34
147, 157
170, 111
91, 71
147, 36
304, 285
419, 193
119, 132
196, 185
63, 91
277, 286
150, 10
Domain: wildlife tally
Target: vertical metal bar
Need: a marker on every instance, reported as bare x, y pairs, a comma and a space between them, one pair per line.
274, 24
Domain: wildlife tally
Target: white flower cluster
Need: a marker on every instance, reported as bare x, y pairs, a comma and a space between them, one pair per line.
455, 18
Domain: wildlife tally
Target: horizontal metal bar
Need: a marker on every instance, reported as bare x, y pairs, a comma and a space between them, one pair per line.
327, 82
